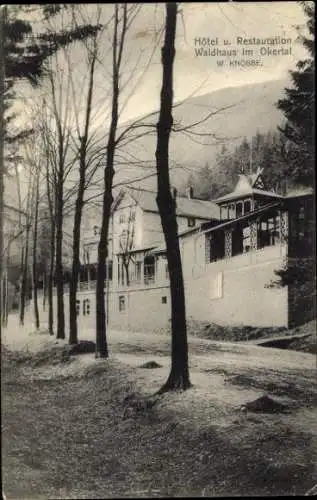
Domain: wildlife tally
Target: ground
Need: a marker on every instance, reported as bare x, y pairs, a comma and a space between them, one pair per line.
84, 428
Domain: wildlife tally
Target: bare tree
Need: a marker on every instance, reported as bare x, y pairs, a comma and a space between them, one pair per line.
50, 281
123, 15
33, 154
179, 374
34, 259
61, 165
86, 154
25, 274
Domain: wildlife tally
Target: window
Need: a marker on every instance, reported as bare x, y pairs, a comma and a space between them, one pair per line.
122, 219
132, 216
121, 303
149, 270
238, 209
86, 307
120, 272
246, 239
191, 222
138, 269
124, 238
301, 213
164, 300
77, 307
247, 206
268, 232
166, 271
217, 246
109, 267
96, 230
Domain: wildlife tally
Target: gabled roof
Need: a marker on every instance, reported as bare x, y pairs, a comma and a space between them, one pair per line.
249, 185
236, 195
186, 207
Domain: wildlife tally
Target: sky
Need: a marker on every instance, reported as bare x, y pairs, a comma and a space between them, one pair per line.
198, 24
193, 74
229, 20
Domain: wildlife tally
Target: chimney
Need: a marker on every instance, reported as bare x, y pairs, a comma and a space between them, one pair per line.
190, 192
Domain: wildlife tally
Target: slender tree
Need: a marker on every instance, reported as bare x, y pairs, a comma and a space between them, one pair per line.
24, 57
120, 26
50, 282
83, 150
25, 263
35, 251
179, 374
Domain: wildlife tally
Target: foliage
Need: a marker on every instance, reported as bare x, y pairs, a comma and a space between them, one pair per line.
27, 52
298, 107
268, 152
298, 272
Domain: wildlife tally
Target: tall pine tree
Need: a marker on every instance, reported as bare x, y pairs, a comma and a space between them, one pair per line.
298, 108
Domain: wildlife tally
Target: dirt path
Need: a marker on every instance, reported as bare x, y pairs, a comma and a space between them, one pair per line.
69, 431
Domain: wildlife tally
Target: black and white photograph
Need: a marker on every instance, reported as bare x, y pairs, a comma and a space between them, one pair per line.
158, 250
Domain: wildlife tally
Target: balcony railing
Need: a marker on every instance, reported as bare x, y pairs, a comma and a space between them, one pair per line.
84, 286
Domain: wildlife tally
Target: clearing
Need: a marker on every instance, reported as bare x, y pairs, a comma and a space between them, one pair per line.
84, 428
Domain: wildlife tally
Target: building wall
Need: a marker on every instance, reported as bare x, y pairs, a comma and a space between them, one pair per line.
153, 233
234, 291
228, 292
144, 310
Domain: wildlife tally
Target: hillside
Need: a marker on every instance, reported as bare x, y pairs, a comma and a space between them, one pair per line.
251, 108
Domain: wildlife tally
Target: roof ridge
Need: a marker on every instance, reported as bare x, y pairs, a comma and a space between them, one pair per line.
184, 196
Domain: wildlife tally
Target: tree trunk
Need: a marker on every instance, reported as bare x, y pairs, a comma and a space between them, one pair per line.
73, 330
35, 297
179, 374
6, 310
126, 267
50, 281
24, 277
44, 288
101, 320
59, 257
3, 298
101, 337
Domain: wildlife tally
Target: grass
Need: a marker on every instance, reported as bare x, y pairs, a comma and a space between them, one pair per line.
75, 427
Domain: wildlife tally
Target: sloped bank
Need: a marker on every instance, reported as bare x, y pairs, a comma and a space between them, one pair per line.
302, 338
